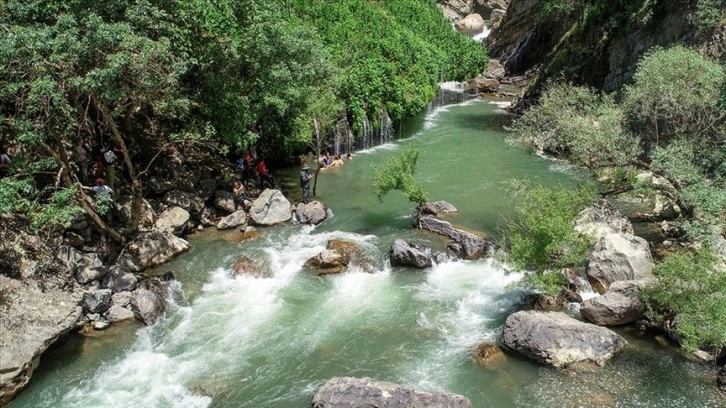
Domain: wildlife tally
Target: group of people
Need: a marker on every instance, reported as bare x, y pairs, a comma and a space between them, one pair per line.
252, 169
324, 163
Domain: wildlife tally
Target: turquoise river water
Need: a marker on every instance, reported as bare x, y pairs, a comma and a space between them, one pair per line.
270, 342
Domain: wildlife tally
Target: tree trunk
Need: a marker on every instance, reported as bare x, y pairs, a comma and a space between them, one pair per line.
136, 188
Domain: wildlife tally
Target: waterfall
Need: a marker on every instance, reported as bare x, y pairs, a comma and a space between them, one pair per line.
336, 141
385, 129
484, 32
365, 133
514, 56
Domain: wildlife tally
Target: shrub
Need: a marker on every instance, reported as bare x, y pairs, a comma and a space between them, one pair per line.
397, 174
691, 285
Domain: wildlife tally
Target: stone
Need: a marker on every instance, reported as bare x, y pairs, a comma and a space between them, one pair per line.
437, 207
146, 218
33, 317
621, 304
313, 213
601, 219
147, 302
495, 71
245, 265
471, 24
455, 10
403, 253
121, 299
337, 256
73, 239
235, 219
496, 19
150, 249
188, 201
442, 257
89, 268
160, 186
223, 201
116, 314
467, 245
97, 301
487, 353
173, 220
542, 302
556, 339
206, 188
347, 392
616, 257
120, 280
101, 324
270, 208
482, 85
209, 217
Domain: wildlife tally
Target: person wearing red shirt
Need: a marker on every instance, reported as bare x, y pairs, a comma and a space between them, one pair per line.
262, 173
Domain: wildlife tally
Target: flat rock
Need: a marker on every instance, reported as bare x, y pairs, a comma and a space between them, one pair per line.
235, 219
556, 339
348, 392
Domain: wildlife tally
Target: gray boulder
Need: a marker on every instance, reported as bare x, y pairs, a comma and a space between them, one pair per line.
467, 245
616, 257
437, 207
403, 253
147, 302
116, 314
495, 71
206, 188
174, 221
313, 213
601, 219
97, 301
336, 257
235, 219
120, 280
347, 392
223, 201
621, 304
150, 249
146, 219
482, 85
270, 208
121, 299
90, 268
558, 340
188, 201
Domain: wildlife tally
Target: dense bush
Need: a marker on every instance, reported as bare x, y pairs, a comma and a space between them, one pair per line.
691, 286
541, 236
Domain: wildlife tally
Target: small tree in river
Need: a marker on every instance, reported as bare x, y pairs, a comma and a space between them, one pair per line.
397, 174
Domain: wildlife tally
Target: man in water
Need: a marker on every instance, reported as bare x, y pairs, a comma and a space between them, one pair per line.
305, 183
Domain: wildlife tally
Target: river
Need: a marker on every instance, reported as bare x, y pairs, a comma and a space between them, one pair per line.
270, 342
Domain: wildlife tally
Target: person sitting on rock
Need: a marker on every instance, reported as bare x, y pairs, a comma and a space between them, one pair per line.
238, 194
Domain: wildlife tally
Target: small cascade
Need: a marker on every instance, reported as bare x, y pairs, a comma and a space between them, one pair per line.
336, 140
484, 32
511, 61
366, 131
385, 129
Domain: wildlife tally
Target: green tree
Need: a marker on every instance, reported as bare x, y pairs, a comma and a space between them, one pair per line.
540, 235
397, 174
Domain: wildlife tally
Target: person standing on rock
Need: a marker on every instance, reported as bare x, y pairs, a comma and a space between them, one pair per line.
305, 183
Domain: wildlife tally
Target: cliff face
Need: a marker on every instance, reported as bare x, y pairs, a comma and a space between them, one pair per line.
600, 48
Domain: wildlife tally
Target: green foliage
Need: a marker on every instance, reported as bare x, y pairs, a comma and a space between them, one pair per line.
58, 212
397, 174
691, 284
541, 236
580, 124
675, 94
709, 14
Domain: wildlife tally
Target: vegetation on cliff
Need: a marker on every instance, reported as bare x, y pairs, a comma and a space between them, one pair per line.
216, 75
671, 121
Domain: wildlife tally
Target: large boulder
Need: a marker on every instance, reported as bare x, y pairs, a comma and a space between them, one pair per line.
97, 301
120, 279
471, 24
150, 249
117, 314
270, 208
403, 253
147, 302
486, 8
313, 213
235, 219
32, 317
558, 340
495, 71
601, 219
146, 217
482, 85
621, 304
616, 257
174, 221
223, 201
437, 207
188, 201
347, 392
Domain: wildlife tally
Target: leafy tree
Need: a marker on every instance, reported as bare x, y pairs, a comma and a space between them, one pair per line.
397, 174
691, 285
541, 236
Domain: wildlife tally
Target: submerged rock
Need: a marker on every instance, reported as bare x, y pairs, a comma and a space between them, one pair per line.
336, 258
270, 208
487, 354
403, 253
347, 392
558, 340
247, 266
